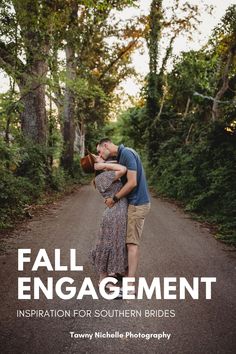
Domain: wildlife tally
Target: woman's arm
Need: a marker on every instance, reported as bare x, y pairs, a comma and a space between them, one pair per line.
120, 170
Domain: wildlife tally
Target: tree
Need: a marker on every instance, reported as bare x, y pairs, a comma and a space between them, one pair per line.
69, 100
153, 84
97, 68
179, 19
23, 55
224, 37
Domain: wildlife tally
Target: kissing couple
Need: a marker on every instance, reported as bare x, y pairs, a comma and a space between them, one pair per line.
120, 178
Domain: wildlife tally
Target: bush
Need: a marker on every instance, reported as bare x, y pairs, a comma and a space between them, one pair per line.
15, 194
76, 171
33, 166
25, 175
202, 176
58, 179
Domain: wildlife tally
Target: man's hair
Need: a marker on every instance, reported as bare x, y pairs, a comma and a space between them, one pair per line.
103, 140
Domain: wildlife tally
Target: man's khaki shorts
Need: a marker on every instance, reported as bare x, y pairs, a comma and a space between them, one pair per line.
136, 217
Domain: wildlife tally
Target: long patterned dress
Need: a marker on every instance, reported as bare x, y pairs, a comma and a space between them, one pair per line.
110, 254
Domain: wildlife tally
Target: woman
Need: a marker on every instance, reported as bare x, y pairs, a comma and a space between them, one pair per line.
110, 254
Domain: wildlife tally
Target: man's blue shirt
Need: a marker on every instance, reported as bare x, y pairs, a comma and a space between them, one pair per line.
130, 158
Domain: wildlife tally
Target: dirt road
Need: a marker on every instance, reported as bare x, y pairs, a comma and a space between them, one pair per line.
173, 246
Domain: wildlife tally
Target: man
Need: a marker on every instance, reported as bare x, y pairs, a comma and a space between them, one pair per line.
136, 190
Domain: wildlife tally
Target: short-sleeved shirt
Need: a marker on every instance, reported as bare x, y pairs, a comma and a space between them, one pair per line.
130, 158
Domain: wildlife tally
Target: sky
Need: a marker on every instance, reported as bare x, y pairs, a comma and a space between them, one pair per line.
140, 61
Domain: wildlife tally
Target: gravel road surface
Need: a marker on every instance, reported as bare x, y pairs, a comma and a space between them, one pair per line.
173, 245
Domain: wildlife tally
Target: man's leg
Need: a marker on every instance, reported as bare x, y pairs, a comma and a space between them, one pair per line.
133, 259
136, 216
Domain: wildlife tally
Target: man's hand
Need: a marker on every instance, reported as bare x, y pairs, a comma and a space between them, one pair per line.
109, 202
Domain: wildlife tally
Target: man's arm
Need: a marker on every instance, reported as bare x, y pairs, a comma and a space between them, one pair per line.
126, 189
120, 170
129, 185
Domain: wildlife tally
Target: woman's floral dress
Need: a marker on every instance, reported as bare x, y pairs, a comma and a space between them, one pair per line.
110, 254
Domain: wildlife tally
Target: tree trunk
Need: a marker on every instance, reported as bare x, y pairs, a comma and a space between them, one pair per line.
69, 111
33, 116
186, 108
82, 137
34, 20
224, 87
154, 86
79, 144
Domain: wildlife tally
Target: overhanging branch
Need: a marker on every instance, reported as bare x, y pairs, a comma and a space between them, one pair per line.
125, 50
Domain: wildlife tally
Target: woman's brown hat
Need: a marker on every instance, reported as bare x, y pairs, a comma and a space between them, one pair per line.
87, 163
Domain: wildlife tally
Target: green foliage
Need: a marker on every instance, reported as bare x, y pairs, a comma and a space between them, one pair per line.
201, 175
154, 81
225, 31
33, 166
200, 67
107, 4
15, 192
191, 157
32, 34
58, 179
76, 172
130, 127
25, 176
